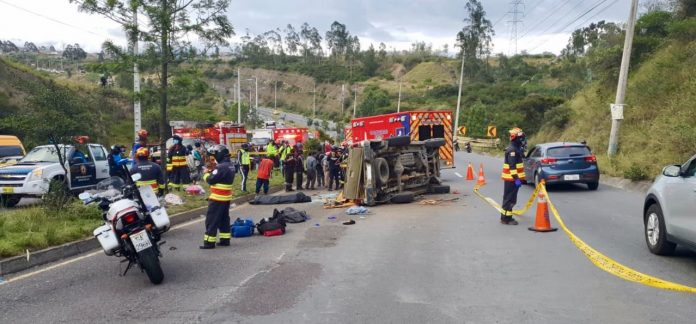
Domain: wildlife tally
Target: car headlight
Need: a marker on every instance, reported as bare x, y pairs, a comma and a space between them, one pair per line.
36, 174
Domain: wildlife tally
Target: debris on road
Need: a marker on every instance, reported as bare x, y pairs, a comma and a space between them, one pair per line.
350, 222
298, 197
173, 199
357, 210
433, 202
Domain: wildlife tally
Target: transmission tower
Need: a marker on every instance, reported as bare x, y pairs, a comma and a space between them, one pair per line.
517, 14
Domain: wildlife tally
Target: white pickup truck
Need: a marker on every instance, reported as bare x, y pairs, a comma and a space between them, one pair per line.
86, 164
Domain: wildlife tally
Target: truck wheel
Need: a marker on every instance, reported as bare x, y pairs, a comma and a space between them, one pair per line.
399, 141
9, 201
151, 264
382, 168
439, 189
434, 143
403, 197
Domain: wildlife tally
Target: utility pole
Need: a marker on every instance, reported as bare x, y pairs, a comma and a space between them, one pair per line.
398, 105
314, 101
517, 12
137, 118
459, 99
343, 89
275, 95
239, 97
355, 102
617, 107
256, 87
251, 105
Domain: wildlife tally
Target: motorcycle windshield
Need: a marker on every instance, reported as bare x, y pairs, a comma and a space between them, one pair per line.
113, 183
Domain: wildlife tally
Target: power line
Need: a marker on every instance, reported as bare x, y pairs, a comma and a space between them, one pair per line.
574, 20
555, 23
517, 12
51, 19
540, 22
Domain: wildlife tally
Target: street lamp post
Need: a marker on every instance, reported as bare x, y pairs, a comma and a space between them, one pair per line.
398, 105
239, 97
355, 102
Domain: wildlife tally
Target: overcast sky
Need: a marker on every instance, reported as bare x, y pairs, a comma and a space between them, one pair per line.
545, 25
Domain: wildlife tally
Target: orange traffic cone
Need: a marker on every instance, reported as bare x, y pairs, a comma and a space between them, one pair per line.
470, 172
542, 223
481, 178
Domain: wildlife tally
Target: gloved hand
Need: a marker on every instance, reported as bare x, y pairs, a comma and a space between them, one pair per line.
518, 183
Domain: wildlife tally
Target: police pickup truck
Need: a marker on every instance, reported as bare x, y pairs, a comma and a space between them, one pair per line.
31, 177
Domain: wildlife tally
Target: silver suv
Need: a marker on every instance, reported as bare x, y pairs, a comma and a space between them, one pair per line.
668, 212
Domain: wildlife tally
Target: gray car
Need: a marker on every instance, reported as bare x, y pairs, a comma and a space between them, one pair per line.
668, 212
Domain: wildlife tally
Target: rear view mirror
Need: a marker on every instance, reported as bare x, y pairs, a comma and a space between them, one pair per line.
671, 171
136, 177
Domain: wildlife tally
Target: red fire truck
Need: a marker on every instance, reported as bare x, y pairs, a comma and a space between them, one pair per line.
420, 125
227, 133
293, 135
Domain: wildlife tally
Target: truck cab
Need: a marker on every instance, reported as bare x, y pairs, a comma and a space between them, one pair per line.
86, 164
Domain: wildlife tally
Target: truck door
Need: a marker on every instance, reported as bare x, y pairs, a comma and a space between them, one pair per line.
100, 163
424, 132
82, 171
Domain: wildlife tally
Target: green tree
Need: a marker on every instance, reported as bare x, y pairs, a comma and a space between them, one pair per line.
475, 39
338, 39
369, 60
373, 102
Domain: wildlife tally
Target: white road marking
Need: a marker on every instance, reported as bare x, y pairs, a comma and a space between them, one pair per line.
459, 175
64, 263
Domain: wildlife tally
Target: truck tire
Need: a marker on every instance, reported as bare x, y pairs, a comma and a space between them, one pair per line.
151, 264
399, 141
403, 197
9, 201
434, 143
382, 168
439, 189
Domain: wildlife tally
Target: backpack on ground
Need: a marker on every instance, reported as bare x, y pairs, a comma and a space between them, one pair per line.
242, 228
271, 224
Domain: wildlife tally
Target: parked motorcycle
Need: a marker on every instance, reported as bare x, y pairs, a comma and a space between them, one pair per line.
134, 223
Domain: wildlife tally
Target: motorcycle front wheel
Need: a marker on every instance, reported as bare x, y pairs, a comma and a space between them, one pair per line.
149, 261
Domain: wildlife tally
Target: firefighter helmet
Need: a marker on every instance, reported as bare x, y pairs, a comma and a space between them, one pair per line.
142, 134
516, 133
220, 152
142, 153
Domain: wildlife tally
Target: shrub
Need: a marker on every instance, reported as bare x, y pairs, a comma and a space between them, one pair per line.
684, 30
635, 173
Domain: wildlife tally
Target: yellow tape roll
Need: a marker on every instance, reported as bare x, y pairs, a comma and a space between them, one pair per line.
597, 258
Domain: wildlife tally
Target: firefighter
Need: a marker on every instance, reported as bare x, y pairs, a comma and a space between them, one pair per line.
289, 170
244, 162
180, 169
140, 141
513, 174
150, 173
283, 153
218, 217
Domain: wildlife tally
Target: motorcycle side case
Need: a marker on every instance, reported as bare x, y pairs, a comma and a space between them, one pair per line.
158, 212
107, 238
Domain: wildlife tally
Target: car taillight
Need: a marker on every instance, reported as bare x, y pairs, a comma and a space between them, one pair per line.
592, 158
548, 161
130, 218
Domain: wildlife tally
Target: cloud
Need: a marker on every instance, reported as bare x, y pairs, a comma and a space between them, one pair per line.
395, 22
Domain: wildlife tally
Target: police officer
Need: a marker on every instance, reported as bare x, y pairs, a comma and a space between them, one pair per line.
180, 169
513, 174
150, 173
218, 216
116, 162
244, 161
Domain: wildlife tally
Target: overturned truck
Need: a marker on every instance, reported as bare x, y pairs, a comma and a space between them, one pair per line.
393, 170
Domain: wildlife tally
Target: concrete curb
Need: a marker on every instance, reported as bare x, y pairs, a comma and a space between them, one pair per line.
67, 250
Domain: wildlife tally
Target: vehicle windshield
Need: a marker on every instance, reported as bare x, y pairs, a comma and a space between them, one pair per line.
113, 183
41, 154
10, 151
568, 151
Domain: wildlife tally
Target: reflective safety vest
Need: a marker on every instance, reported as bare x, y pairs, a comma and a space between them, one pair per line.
513, 168
245, 158
284, 150
271, 150
220, 181
178, 156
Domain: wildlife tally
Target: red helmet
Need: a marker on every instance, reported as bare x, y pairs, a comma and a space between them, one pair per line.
142, 153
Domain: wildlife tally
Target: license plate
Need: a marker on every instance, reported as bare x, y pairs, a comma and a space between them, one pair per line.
140, 241
571, 177
7, 190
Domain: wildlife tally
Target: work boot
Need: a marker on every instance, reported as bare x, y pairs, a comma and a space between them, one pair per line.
224, 242
207, 246
508, 220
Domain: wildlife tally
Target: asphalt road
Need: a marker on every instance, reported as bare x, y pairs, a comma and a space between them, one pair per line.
450, 263
299, 120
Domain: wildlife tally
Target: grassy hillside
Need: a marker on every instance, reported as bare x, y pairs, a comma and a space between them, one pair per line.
659, 117
35, 104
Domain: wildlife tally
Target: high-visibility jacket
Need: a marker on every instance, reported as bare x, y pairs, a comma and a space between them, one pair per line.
243, 158
271, 150
150, 174
220, 181
178, 156
284, 151
513, 168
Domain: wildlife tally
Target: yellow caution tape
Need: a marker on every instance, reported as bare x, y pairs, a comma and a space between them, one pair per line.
497, 206
597, 258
